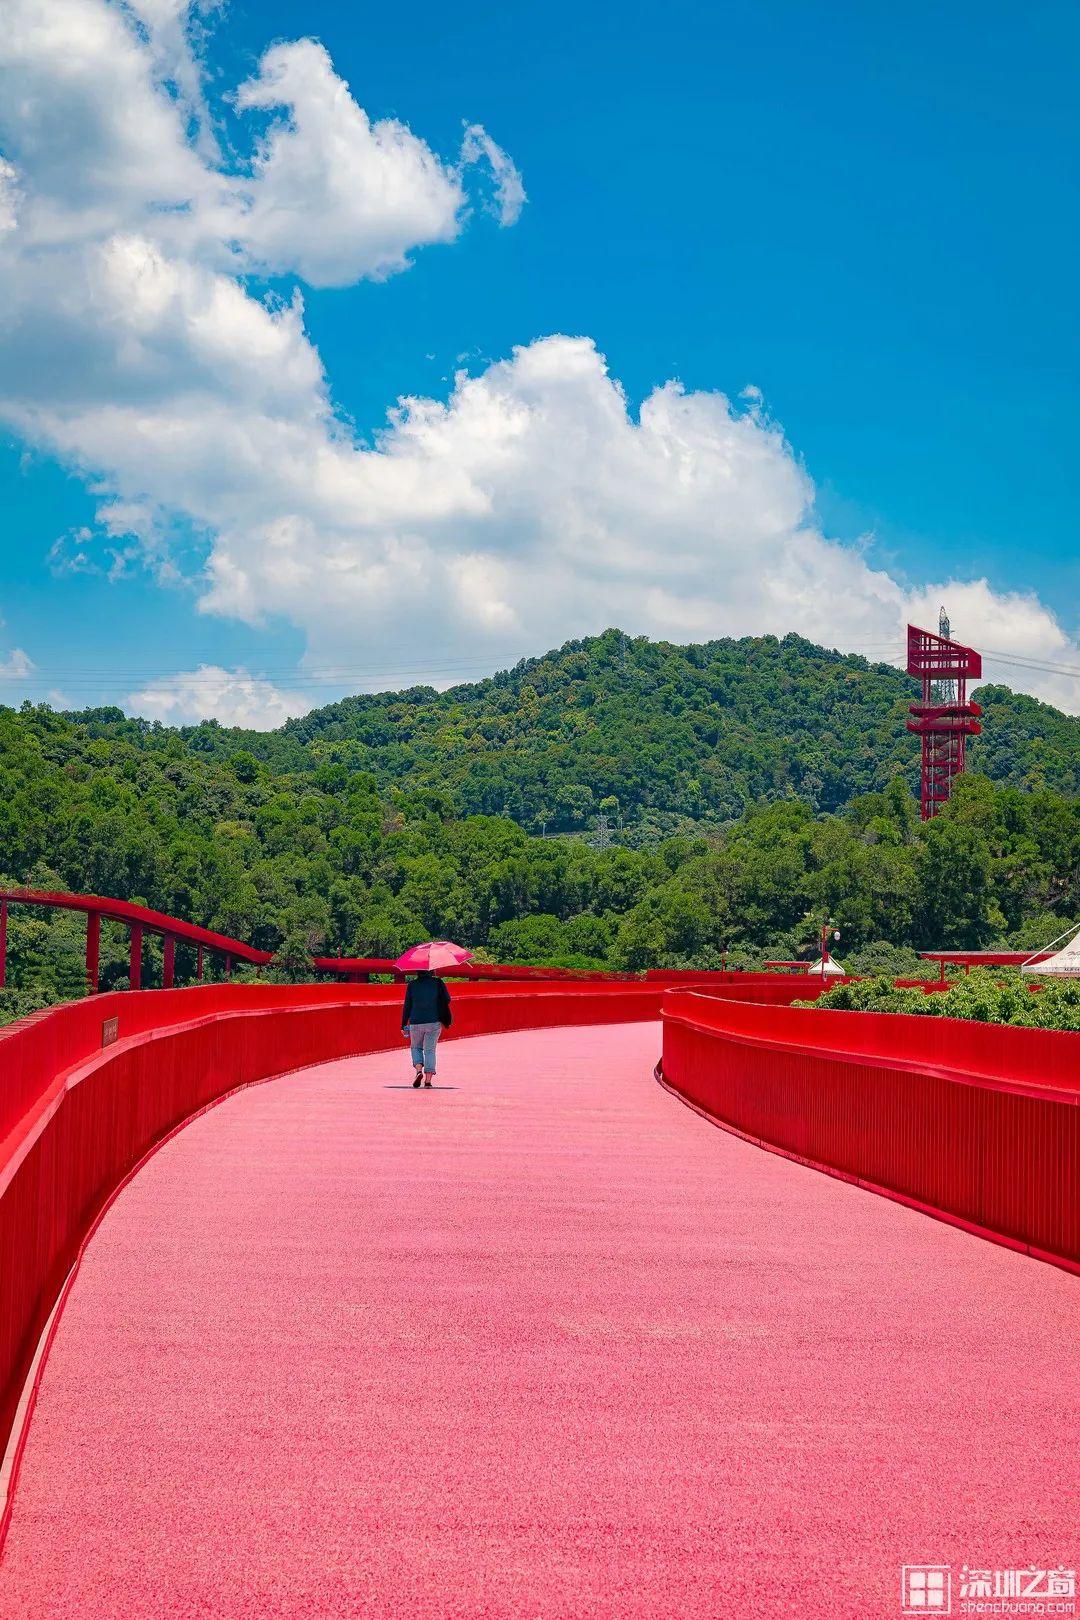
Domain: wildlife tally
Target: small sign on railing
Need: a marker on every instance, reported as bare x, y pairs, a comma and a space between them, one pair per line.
110, 1030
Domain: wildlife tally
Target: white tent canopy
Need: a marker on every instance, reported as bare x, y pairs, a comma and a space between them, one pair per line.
831, 967
1067, 960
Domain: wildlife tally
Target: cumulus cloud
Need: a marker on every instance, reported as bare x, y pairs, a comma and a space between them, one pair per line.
168, 26
1006, 625
234, 697
81, 109
334, 195
534, 503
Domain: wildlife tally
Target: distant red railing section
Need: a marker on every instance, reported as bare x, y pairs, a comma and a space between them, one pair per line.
143, 920
978, 1124
982, 959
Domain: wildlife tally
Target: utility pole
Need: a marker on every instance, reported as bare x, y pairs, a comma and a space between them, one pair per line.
603, 832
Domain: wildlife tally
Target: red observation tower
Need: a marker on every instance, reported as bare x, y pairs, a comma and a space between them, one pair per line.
944, 717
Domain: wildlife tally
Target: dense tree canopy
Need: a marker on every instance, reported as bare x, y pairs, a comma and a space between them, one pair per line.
669, 736
746, 789
295, 864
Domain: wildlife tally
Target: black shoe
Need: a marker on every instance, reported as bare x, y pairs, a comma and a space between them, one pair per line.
417, 1081
427, 1084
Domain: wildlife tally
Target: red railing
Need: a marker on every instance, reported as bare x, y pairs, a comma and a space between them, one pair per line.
982, 959
143, 920
977, 1124
766, 989
88, 1089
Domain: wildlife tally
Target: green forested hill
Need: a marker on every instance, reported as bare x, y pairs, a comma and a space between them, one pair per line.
675, 734
324, 856
759, 784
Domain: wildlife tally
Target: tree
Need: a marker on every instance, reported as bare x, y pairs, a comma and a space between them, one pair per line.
360, 831
291, 962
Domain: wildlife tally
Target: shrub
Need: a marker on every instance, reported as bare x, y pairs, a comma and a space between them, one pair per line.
1001, 996
16, 1004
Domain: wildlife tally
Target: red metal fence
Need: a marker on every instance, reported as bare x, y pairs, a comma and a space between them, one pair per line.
143, 920
87, 1089
768, 989
978, 1124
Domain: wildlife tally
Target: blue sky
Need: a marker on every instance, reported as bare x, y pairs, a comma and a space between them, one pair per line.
865, 214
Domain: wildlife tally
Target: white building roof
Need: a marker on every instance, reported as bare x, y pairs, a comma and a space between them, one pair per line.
1067, 960
832, 967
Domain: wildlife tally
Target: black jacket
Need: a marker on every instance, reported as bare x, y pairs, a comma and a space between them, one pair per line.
427, 1001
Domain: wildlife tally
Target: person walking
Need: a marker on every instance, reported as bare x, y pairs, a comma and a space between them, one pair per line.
425, 1015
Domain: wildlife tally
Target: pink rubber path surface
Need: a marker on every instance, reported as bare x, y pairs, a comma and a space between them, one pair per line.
543, 1345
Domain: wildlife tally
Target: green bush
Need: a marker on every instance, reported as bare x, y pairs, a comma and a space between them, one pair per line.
881, 957
1000, 996
16, 1004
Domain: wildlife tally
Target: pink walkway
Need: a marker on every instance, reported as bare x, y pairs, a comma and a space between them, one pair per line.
542, 1345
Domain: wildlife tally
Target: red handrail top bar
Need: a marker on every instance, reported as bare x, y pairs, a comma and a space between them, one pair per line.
132, 915
126, 911
986, 958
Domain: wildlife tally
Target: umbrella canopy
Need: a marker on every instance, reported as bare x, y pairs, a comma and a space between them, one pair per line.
433, 955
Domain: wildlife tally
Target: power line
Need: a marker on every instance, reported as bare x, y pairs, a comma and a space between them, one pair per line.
128, 681
313, 675
131, 670
1041, 667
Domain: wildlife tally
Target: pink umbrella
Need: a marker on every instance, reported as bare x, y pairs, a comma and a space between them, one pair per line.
433, 954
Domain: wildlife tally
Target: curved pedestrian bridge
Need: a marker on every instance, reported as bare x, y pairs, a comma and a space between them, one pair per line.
541, 1343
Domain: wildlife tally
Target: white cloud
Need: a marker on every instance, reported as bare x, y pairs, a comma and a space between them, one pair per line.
16, 674
1014, 624
531, 505
15, 666
81, 108
534, 505
334, 195
9, 196
234, 697
510, 196
167, 26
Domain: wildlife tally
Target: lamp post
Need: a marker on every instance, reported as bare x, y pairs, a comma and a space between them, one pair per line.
827, 927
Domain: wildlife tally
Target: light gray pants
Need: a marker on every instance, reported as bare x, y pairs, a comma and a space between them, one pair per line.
422, 1042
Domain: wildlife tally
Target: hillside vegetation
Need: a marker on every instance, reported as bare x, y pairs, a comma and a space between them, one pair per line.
363, 847
669, 736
